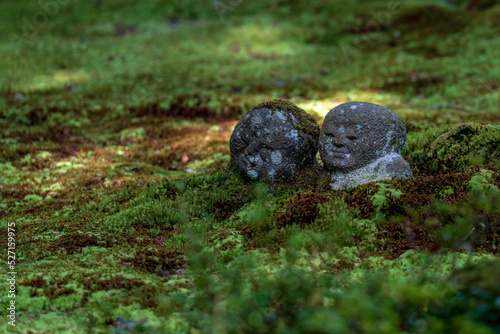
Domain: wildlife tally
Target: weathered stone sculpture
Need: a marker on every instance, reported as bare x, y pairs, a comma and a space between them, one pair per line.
274, 142
361, 142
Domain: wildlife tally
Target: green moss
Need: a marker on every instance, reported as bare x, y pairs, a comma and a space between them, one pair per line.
119, 214
465, 145
430, 19
336, 223
452, 146
174, 203
483, 275
150, 214
306, 123
417, 142
477, 284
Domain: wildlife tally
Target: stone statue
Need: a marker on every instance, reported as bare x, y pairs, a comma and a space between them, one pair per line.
274, 142
361, 142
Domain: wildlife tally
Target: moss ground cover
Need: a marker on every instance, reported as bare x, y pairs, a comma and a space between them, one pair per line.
116, 118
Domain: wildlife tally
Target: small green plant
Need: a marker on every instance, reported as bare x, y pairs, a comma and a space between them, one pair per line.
33, 198
483, 193
380, 198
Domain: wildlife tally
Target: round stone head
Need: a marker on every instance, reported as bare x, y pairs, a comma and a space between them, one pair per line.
274, 141
355, 134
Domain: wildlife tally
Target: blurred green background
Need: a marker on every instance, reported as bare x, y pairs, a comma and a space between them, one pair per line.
112, 110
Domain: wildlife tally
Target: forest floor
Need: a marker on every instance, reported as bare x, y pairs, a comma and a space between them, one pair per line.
115, 134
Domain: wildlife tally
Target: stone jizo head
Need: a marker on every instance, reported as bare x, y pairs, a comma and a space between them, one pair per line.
355, 134
274, 141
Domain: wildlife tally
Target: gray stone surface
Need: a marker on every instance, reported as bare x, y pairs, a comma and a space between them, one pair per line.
361, 142
274, 142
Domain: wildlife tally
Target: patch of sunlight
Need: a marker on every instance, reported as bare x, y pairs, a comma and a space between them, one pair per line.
53, 187
323, 106
65, 166
7, 172
320, 107
260, 39
56, 80
184, 123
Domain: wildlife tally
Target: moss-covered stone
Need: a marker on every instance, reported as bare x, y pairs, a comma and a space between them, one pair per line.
306, 123
464, 145
274, 142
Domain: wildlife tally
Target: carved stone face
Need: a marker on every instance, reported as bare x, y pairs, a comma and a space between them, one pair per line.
269, 145
355, 134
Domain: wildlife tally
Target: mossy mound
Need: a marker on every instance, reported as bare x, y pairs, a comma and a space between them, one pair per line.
430, 19
464, 145
301, 209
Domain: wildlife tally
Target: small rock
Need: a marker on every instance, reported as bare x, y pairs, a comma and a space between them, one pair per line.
19, 96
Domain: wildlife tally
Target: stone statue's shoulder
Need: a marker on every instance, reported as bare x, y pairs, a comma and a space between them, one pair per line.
394, 165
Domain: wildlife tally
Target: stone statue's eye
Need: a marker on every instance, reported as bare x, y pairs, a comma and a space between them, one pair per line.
352, 137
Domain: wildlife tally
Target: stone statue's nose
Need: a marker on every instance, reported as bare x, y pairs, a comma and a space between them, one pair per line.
339, 140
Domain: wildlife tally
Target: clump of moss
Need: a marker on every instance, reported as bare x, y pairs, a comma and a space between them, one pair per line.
171, 204
429, 19
481, 4
54, 292
75, 241
115, 282
310, 178
478, 286
416, 192
157, 258
37, 282
458, 147
153, 213
464, 145
224, 210
334, 222
395, 238
417, 141
306, 122
483, 275
301, 209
